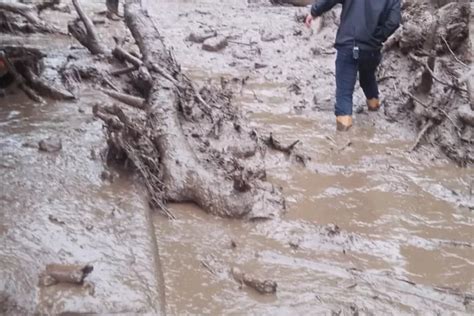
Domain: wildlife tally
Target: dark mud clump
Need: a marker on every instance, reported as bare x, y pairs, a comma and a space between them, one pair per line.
425, 65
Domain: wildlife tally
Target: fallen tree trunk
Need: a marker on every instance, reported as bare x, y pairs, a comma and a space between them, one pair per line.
183, 177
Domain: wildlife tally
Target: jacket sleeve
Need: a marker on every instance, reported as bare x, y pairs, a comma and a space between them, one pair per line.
390, 22
322, 6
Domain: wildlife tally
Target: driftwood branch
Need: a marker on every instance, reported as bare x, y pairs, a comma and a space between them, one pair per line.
87, 36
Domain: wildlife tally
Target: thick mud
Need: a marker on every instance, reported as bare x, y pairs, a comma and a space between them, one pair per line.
369, 228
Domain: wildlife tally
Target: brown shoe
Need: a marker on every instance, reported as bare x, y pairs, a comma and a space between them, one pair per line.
343, 122
373, 104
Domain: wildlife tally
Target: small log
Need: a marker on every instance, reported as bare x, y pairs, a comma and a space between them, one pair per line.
128, 99
122, 55
65, 273
260, 285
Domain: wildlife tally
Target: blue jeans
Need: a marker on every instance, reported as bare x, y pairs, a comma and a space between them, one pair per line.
346, 75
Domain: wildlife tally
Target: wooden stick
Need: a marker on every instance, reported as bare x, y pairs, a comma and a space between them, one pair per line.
452, 53
422, 133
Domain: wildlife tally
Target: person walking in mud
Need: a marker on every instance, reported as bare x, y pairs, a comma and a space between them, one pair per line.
365, 25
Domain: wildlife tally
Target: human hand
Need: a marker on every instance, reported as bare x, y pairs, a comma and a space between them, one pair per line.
309, 19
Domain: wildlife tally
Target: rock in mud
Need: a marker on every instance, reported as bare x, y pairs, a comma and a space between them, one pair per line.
200, 36
215, 44
466, 115
50, 145
266, 36
261, 286
412, 37
65, 273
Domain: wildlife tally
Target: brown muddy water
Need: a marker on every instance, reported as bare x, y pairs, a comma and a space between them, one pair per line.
405, 221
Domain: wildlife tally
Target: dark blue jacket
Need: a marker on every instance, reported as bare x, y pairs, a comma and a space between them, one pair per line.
365, 23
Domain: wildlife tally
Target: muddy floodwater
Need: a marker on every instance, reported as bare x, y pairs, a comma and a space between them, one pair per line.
369, 228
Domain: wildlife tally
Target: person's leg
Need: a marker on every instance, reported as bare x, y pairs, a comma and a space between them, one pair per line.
346, 75
367, 67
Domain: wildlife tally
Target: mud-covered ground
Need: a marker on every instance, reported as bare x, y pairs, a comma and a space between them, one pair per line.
370, 227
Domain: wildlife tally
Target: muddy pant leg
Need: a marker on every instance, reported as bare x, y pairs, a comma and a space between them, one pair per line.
346, 75
112, 6
368, 64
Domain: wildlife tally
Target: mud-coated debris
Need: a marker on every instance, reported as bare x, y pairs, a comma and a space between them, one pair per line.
107, 175
294, 243
55, 220
50, 145
466, 114
233, 244
200, 36
354, 310
81, 110
29, 144
267, 36
259, 66
411, 37
215, 44
240, 55
65, 273
333, 230
295, 88
93, 155
261, 286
